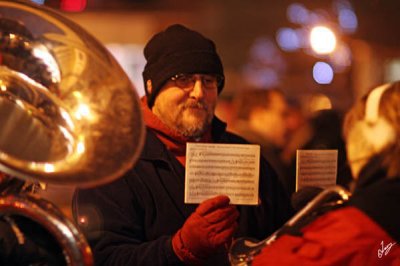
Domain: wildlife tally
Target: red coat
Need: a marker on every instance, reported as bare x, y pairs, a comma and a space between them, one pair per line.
345, 236
342, 237
364, 232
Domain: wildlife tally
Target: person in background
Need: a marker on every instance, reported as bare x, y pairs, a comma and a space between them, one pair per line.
295, 115
321, 131
365, 231
141, 218
261, 119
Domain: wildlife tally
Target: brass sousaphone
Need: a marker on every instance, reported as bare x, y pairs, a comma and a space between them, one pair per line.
68, 115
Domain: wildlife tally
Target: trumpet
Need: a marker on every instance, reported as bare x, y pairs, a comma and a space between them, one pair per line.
243, 250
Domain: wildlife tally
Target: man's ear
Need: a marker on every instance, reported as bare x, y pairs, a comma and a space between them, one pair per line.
149, 86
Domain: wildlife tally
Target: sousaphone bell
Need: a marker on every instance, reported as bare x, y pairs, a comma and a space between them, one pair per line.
69, 115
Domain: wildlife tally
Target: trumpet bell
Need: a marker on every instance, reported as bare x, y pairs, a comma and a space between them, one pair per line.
68, 112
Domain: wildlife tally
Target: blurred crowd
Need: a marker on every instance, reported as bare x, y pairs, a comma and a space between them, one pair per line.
281, 126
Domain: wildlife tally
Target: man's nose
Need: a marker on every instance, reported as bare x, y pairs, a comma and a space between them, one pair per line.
198, 89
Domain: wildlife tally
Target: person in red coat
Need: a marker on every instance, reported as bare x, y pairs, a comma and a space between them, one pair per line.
366, 230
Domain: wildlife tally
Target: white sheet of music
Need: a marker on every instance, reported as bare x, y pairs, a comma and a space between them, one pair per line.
316, 168
228, 169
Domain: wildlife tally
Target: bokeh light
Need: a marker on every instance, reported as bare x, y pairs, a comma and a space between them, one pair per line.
265, 52
322, 73
341, 57
322, 40
392, 70
348, 20
265, 64
297, 13
73, 5
288, 39
261, 77
40, 2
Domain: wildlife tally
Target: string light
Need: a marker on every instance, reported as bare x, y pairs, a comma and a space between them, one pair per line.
73, 5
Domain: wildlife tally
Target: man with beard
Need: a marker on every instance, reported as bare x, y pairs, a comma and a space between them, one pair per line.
141, 219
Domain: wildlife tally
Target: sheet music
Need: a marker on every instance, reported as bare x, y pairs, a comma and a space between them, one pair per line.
316, 168
229, 169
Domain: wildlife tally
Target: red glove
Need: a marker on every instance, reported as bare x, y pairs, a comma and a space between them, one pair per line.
208, 228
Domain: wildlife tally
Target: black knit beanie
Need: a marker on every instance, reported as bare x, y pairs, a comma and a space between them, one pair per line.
178, 50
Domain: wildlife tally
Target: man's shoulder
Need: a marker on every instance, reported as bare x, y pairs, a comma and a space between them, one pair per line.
153, 147
230, 137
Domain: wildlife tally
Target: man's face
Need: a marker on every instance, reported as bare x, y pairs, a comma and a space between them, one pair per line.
187, 110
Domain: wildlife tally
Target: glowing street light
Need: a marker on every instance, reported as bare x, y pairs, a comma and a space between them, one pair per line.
322, 40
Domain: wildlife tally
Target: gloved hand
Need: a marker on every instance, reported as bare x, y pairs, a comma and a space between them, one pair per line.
208, 228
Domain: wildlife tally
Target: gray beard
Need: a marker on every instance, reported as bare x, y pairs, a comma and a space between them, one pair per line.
193, 132
197, 130
188, 130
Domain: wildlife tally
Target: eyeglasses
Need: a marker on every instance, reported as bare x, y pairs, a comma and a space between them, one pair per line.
187, 81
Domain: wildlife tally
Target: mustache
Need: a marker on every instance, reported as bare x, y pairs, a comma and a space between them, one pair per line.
195, 104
